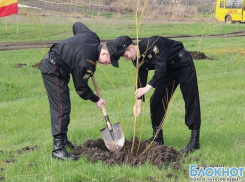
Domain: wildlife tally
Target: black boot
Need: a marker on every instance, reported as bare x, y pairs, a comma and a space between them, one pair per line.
59, 151
159, 137
68, 144
194, 142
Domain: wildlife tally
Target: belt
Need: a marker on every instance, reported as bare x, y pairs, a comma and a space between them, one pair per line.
50, 59
182, 52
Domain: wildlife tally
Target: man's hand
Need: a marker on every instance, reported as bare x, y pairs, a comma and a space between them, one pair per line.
137, 108
142, 91
100, 103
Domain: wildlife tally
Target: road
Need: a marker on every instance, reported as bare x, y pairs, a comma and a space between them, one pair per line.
46, 44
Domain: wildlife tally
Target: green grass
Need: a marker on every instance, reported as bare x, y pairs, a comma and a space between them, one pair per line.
25, 119
38, 28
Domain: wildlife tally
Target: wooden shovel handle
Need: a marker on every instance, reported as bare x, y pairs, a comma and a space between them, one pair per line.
98, 93
96, 86
103, 106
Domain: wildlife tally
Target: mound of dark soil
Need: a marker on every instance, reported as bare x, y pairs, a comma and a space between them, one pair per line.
19, 65
157, 154
9, 161
199, 55
37, 65
27, 149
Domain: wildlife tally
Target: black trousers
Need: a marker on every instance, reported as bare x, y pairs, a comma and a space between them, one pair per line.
56, 83
182, 72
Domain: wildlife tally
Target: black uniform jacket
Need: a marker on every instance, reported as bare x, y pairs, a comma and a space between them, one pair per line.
78, 55
156, 53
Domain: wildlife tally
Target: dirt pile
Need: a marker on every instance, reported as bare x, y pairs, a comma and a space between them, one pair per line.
27, 149
19, 65
36, 65
157, 154
199, 55
11, 160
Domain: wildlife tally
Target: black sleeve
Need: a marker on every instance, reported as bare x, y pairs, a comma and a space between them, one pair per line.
160, 65
80, 79
79, 28
142, 79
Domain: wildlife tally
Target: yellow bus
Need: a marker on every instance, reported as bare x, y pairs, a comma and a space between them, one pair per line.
230, 11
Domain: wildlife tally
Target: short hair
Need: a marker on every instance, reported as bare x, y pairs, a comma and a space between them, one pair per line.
104, 47
134, 44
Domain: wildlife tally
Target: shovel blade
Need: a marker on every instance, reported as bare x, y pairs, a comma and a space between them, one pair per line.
114, 140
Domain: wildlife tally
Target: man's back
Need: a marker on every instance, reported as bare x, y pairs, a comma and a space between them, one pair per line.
72, 52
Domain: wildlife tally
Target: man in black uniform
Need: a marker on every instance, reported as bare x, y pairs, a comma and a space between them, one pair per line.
173, 66
76, 56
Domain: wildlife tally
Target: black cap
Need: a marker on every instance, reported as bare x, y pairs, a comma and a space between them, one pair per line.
117, 48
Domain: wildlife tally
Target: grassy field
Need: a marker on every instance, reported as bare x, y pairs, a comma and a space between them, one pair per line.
24, 109
37, 28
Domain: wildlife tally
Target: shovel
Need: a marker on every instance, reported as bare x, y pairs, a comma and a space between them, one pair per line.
112, 133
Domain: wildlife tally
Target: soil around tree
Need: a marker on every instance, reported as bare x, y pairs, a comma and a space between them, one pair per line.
157, 154
95, 150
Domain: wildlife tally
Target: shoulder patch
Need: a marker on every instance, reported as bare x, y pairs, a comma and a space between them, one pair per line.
155, 49
88, 75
